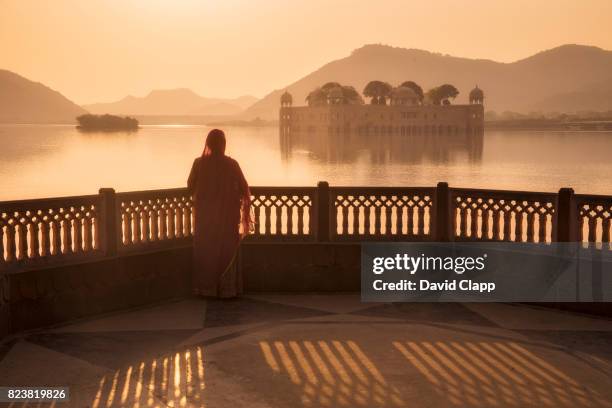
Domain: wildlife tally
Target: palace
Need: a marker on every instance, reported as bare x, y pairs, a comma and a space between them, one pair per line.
405, 115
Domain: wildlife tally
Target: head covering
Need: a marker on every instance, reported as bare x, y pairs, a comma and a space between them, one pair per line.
215, 143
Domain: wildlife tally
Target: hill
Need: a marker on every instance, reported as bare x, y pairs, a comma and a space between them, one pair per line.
25, 101
563, 77
173, 102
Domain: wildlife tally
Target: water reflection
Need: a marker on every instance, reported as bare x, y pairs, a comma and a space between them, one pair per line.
385, 149
49, 161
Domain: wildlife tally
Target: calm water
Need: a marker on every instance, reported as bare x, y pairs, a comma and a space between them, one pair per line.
45, 161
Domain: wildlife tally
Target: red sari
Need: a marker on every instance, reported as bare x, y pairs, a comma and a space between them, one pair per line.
222, 211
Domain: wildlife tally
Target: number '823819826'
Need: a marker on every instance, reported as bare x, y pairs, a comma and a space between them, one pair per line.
11, 394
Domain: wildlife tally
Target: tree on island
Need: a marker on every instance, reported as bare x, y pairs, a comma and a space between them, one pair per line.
378, 91
415, 87
440, 94
106, 122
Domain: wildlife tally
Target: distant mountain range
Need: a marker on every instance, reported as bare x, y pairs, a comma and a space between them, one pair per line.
173, 102
25, 101
567, 78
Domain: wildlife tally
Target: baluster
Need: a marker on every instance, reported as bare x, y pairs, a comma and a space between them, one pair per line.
127, 227
399, 220
507, 220
530, 226
67, 234
496, 222
179, 222
23, 242
518, 226
344, 223
136, 215
87, 233
290, 208
474, 223
78, 239
2, 247
421, 220
267, 221
45, 238
256, 210
366, 219
146, 227
377, 220
34, 243
56, 229
300, 221
188, 220
410, 215
95, 232
484, 214
170, 215
592, 230
605, 234
163, 219
387, 220
542, 221
278, 212
11, 248
463, 222
355, 211
154, 224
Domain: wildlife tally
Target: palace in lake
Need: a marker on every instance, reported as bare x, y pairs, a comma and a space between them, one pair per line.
406, 114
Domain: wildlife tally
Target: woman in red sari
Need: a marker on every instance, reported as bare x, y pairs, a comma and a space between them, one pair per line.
222, 216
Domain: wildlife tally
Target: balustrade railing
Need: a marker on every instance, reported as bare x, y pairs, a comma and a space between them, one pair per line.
381, 213
594, 219
46, 231
34, 231
490, 215
154, 218
284, 213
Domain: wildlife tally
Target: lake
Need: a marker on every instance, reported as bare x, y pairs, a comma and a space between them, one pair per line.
54, 160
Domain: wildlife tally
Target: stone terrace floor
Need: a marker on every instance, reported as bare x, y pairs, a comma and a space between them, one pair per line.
321, 350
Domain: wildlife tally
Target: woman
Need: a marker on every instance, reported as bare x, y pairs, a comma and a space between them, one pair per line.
222, 215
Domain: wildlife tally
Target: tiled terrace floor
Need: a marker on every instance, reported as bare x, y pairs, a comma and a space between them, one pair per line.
280, 350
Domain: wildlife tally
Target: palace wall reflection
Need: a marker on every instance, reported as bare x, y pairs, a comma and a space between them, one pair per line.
385, 148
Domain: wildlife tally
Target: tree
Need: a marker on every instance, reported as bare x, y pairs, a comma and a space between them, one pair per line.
378, 91
330, 85
351, 96
415, 87
106, 122
334, 94
318, 97
439, 95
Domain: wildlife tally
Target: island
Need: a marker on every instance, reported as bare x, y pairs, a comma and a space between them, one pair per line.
106, 122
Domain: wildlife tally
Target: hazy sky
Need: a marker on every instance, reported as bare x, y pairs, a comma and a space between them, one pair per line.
102, 50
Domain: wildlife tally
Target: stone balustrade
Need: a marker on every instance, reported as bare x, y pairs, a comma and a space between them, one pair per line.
41, 232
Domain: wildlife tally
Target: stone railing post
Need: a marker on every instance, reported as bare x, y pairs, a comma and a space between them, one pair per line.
443, 215
323, 211
108, 222
567, 217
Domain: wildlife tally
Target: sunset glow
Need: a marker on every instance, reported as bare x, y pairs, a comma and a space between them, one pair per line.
236, 47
